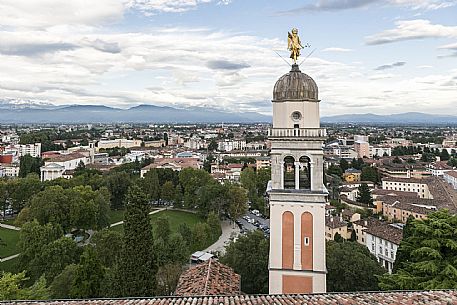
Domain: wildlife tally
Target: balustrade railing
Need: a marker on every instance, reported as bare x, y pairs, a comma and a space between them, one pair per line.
297, 132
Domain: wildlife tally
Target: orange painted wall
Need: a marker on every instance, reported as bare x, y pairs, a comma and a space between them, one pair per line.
292, 284
287, 240
307, 231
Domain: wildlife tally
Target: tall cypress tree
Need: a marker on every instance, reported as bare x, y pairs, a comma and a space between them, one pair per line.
137, 268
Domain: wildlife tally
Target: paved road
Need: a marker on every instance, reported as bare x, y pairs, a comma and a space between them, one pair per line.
251, 227
228, 230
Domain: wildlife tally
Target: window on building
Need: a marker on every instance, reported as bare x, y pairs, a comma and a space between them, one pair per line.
306, 241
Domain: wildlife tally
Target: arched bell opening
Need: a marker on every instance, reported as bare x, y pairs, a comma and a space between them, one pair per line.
289, 173
305, 173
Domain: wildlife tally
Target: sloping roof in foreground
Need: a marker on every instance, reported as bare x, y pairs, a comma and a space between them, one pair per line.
444, 297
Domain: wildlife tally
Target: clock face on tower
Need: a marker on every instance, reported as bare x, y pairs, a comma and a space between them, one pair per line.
296, 116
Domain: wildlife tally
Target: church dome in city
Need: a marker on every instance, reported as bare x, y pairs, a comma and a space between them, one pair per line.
295, 85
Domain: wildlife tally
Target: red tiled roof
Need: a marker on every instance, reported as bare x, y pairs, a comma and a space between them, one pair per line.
209, 278
441, 297
68, 157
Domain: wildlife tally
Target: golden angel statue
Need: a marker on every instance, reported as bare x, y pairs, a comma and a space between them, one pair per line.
294, 44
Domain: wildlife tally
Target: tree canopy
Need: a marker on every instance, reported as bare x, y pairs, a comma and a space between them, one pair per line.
427, 256
351, 267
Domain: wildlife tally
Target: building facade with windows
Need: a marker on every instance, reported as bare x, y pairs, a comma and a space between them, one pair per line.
298, 196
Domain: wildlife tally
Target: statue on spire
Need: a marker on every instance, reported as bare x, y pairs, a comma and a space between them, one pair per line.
294, 45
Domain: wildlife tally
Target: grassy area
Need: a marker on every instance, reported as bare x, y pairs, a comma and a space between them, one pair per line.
9, 266
174, 217
9, 221
116, 216
9, 240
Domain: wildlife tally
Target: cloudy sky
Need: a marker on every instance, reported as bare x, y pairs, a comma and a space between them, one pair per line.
378, 56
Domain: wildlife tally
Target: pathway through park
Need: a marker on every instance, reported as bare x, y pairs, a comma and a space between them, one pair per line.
150, 213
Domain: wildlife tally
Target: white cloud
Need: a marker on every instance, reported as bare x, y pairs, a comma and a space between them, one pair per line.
336, 49
150, 7
338, 5
425, 4
46, 13
412, 29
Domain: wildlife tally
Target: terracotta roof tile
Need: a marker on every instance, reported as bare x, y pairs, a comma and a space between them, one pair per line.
446, 297
209, 278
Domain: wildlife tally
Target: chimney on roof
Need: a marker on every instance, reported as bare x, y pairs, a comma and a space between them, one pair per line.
365, 222
331, 218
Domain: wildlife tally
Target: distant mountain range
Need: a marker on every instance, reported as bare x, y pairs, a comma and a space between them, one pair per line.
48, 113
33, 111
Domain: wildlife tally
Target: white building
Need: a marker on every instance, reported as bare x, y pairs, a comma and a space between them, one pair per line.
451, 178
418, 186
298, 196
106, 144
9, 170
21, 150
383, 241
380, 151
55, 167
229, 145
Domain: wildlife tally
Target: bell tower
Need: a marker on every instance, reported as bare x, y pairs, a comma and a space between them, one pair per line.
298, 195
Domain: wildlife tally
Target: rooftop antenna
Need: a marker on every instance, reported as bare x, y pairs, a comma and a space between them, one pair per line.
283, 59
307, 55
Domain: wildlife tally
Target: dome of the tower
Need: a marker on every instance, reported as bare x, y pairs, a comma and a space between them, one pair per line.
295, 86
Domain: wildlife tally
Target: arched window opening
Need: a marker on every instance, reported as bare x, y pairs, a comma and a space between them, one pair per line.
305, 173
289, 173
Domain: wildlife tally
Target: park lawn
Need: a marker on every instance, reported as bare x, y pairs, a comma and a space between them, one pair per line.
174, 217
10, 239
116, 215
9, 266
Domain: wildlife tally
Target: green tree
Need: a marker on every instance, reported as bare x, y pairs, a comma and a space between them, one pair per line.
62, 284
344, 165
167, 278
237, 202
150, 185
191, 181
351, 267
248, 256
167, 192
452, 162
162, 228
137, 268
364, 194
12, 287
88, 276
212, 145
444, 155
22, 190
200, 235
214, 223
33, 237
54, 257
118, 184
427, 255
29, 164
108, 246
334, 170
185, 231
428, 157
369, 174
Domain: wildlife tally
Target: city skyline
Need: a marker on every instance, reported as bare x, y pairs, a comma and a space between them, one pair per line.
373, 56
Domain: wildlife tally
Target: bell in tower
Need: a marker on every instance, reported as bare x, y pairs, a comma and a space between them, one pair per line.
298, 195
